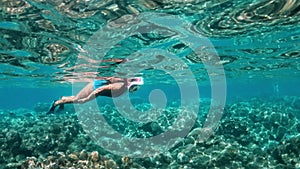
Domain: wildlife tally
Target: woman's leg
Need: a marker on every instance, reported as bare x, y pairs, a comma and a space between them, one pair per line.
85, 92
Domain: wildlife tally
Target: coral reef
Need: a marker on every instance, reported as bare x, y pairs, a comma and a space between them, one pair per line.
252, 134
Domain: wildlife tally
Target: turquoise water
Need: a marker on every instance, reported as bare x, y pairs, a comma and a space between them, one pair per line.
194, 55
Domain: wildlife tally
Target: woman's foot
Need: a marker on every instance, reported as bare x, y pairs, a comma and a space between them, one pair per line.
52, 107
61, 107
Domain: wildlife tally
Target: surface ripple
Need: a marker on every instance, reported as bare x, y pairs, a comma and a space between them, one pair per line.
253, 38
246, 19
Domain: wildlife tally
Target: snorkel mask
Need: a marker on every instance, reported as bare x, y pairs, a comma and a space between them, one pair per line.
134, 84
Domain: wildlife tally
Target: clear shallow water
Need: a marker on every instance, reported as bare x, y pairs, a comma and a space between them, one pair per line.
42, 46
254, 39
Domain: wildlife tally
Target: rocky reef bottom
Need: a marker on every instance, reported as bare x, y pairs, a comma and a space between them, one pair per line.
256, 133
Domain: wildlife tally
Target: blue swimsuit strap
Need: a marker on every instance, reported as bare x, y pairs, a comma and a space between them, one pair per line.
99, 83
